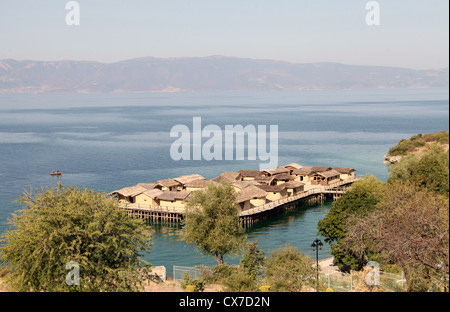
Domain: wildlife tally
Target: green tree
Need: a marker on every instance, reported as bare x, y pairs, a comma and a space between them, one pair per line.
288, 270
431, 170
361, 198
212, 222
59, 225
253, 259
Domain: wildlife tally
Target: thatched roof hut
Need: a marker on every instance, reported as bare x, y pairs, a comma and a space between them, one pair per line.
129, 191
249, 173
276, 171
249, 193
344, 170
228, 177
168, 183
189, 178
173, 195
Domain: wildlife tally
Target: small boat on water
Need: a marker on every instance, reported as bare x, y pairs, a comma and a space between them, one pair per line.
56, 173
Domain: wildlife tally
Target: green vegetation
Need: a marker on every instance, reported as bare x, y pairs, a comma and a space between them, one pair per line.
360, 199
285, 270
198, 284
428, 171
288, 270
408, 146
402, 224
212, 222
59, 225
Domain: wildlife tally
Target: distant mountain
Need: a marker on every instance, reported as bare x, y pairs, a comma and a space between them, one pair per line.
215, 73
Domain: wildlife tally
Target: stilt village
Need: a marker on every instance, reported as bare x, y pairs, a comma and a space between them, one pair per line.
259, 194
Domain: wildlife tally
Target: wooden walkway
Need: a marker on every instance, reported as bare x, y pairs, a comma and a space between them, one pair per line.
250, 216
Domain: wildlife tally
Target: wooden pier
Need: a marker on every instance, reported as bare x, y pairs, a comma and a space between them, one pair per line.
172, 215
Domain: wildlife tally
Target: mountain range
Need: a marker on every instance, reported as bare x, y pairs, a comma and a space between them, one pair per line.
203, 74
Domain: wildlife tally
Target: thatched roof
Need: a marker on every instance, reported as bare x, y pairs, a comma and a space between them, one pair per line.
303, 171
148, 186
201, 183
172, 195
249, 193
284, 177
320, 168
265, 179
279, 170
272, 188
129, 191
293, 184
249, 173
344, 170
168, 183
189, 178
329, 173
293, 166
228, 177
244, 184
153, 193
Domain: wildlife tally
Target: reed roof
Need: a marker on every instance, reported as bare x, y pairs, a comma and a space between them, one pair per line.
293, 184
293, 166
320, 168
273, 188
168, 183
344, 170
173, 195
249, 193
249, 173
129, 191
189, 178
329, 173
303, 171
228, 177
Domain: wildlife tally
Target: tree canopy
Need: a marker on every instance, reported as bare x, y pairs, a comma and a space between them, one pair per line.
403, 222
212, 221
62, 225
361, 198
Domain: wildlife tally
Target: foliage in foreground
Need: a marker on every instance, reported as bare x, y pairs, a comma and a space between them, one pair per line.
409, 228
286, 269
59, 225
361, 198
400, 224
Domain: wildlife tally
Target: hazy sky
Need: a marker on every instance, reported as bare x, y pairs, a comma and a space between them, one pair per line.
412, 33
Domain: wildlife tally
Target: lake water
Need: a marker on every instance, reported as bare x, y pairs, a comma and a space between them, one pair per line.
106, 142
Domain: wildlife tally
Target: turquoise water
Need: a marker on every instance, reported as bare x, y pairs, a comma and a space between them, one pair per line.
106, 142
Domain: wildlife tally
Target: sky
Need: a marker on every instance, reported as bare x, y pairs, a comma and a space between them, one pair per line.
412, 33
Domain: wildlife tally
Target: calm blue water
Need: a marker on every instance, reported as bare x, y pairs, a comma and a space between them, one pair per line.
106, 142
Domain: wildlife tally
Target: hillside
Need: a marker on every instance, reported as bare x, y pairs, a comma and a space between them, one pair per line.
215, 73
417, 144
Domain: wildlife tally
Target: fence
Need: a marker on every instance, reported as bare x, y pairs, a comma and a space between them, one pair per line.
392, 282
338, 281
344, 282
194, 272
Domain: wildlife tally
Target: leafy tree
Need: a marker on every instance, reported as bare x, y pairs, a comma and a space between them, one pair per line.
288, 270
59, 225
212, 222
253, 259
431, 170
361, 198
409, 228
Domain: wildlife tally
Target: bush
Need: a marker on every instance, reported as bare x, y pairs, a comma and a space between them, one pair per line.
59, 225
191, 284
288, 270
